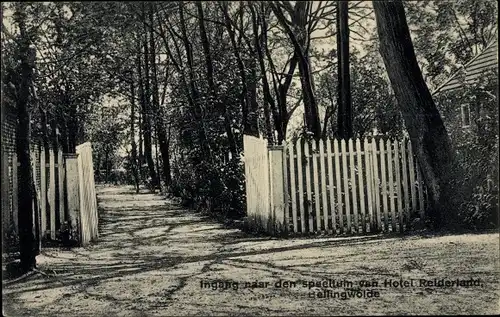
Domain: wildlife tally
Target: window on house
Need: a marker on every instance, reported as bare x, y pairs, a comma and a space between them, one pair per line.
465, 109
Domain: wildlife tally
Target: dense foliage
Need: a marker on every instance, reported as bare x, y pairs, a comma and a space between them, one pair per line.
475, 137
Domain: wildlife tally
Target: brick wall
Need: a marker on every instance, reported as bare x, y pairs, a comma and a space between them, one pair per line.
9, 123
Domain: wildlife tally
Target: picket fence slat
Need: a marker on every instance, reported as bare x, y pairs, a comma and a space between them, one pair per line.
43, 189
338, 183
286, 193
301, 186
398, 183
353, 186
406, 194
308, 205
383, 172
420, 193
361, 185
411, 165
317, 206
323, 173
293, 197
330, 184
346, 186
369, 183
377, 220
60, 174
376, 186
389, 147
52, 193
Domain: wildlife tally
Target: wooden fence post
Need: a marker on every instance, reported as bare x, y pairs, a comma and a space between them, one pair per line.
277, 187
43, 192
72, 190
52, 193
60, 174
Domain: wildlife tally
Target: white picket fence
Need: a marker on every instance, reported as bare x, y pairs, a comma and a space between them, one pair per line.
65, 192
335, 186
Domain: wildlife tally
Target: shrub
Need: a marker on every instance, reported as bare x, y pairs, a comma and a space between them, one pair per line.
217, 189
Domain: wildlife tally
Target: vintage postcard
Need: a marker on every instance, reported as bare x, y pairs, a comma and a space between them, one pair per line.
250, 158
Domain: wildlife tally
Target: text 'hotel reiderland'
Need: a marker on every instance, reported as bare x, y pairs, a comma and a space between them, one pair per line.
344, 289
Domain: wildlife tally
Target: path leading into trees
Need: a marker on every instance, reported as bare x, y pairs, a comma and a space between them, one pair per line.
152, 257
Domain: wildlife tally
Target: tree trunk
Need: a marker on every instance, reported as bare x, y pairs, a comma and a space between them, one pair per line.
253, 113
72, 129
282, 94
106, 167
168, 168
161, 135
430, 141
64, 133
310, 106
194, 99
250, 124
135, 170
27, 241
55, 147
146, 110
300, 42
344, 117
97, 164
260, 41
140, 157
166, 163
157, 160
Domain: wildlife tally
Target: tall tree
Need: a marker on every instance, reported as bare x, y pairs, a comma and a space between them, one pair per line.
158, 115
146, 103
249, 106
345, 127
429, 138
27, 54
298, 30
260, 42
135, 167
211, 83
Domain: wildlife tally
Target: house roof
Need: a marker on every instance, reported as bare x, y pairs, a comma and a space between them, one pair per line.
487, 59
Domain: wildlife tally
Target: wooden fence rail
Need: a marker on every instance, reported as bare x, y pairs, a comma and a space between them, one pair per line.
337, 186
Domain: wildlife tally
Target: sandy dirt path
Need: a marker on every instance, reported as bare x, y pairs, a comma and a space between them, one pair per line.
152, 257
